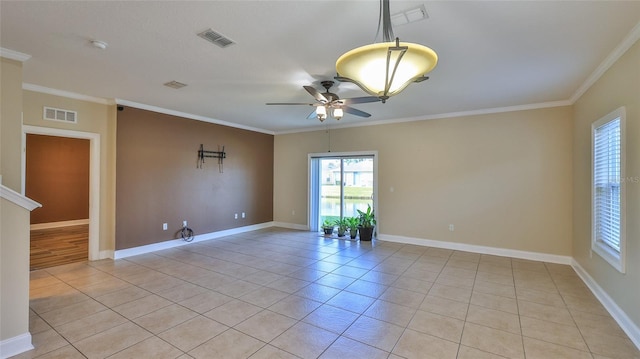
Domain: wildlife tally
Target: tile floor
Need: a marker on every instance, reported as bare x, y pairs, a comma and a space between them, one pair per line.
286, 294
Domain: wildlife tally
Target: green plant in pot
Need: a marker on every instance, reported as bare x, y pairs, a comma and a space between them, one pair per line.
327, 227
342, 225
367, 224
353, 223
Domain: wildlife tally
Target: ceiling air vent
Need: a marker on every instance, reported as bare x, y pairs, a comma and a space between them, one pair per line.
216, 38
56, 114
175, 84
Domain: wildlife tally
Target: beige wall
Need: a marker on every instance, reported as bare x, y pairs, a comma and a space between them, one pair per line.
93, 118
619, 86
14, 272
503, 180
10, 123
14, 221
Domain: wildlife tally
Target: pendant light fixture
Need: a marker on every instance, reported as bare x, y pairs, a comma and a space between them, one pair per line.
385, 69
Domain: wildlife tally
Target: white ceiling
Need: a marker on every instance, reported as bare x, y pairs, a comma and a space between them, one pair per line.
492, 54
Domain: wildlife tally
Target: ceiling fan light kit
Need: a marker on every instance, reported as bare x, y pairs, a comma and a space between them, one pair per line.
385, 69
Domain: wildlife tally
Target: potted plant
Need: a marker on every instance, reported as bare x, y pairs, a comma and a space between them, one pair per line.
367, 224
327, 227
353, 222
342, 225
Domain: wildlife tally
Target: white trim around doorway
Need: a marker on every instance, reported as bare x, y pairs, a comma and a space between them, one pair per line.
94, 177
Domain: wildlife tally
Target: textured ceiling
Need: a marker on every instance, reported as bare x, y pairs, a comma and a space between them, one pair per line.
492, 54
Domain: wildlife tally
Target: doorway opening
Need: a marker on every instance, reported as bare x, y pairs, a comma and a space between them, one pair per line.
76, 228
340, 185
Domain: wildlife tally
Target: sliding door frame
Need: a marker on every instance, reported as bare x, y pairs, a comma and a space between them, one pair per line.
313, 181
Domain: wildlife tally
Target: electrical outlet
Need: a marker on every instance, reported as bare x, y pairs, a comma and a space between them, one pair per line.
235, 216
451, 227
243, 215
184, 223
164, 227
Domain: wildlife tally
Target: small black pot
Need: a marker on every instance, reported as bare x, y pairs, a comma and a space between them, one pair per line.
366, 233
328, 231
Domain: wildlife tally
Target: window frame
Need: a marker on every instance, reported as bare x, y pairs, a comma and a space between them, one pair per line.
614, 257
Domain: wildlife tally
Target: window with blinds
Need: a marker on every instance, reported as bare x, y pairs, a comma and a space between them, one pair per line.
607, 194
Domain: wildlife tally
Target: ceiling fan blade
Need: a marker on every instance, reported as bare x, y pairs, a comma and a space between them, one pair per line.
312, 115
355, 111
317, 95
365, 99
288, 103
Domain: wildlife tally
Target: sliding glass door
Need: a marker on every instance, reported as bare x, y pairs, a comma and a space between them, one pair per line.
340, 186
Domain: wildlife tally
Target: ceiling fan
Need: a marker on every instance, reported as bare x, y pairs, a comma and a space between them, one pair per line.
330, 102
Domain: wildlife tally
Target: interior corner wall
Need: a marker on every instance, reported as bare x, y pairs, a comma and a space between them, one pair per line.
11, 123
503, 180
158, 180
618, 86
57, 176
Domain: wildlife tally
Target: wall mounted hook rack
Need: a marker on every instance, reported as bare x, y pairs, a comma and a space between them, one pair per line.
202, 154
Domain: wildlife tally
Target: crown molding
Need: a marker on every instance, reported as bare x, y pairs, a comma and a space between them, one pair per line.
615, 55
190, 116
67, 94
14, 55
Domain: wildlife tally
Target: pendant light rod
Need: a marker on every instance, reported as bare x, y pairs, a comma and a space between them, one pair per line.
387, 29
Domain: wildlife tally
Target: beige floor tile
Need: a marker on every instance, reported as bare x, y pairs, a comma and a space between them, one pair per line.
142, 306
335, 281
457, 272
351, 301
455, 281
233, 312
165, 318
264, 297
444, 306
494, 319
545, 312
55, 297
416, 285
597, 324
318, 292
66, 352
390, 312
610, 345
502, 290
449, 292
472, 353
295, 307
37, 324
331, 318
205, 301
379, 277
72, 312
262, 277
344, 348
377, 333
237, 289
566, 335
228, 345
504, 278
404, 297
416, 345
305, 340
153, 347
271, 352
492, 340
182, 292
538, 349
90, 325
265, 325
112, 340
192, 333
540, 297
370, 289
586, 303
288, 284
437, 325
496, 302
106, 286
349, 271
125, 295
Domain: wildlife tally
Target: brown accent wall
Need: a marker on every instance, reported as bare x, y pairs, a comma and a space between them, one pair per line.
57, 176
157, 180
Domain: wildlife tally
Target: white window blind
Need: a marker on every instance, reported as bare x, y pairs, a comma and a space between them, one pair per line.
607, 175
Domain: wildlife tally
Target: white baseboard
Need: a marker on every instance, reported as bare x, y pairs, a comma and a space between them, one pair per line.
627, 325
75, 222
124, 253
544, 257
16, 345
300, 227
